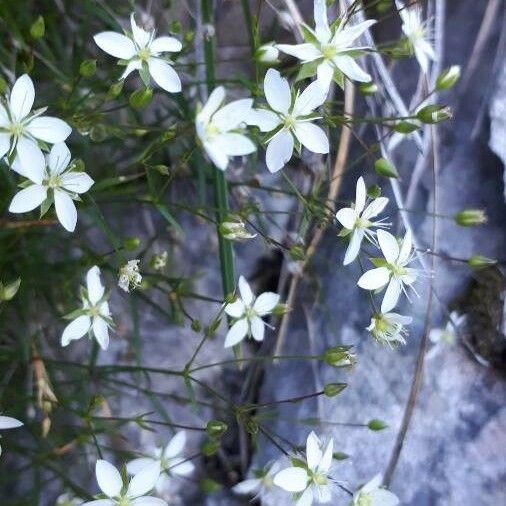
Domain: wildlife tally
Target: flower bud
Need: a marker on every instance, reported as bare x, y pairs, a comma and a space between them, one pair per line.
480, 261
448, 78
38, 28
216, 428
384, 168
88, 68
234, 229
339, 356
131, 243
434, 113
267, 53
470, 217
8, 291
369, 88
210, 447
281, 309
209, 486
196, 326
140, 99
377, 425
333, 389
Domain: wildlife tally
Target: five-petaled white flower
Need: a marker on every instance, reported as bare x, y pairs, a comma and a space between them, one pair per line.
291, 120
143, 51
220, 128
389, 328
7, 422
94, 315
312, 479
248, 312
330, 47
372, 494
54, 179
416, 31
170, 459
357, 220
394, 271
20, 129
120, 494
448, 334
262, 484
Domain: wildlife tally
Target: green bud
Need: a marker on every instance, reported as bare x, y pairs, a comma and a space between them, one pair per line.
3, 85
340, 456
234, 229
99, 133
405, 127
470, 217
297, 253
115, 90
480, 261
251, 426
374, 191
448, 78
377, 425
339, 356
131, 243
38, 28
88, 68
216, 428
210, 447
9, 290
140, 99
384, 168
333, 389
434, 113
196, 326
281, 309
369, 88
162, 169
78, 165
209, 486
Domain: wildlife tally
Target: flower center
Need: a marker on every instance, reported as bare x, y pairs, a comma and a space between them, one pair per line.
364, 500
329, 51
397, 270
289, 121
249, 312
362, 223
16, 129
144, 54
123, 501
320, 479
53, 182
211, 130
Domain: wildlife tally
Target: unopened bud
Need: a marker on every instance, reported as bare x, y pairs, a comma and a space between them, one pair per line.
434, 114
448, 78
281, 309
216, 428
369, 88
377, 425
268, 53
480, 261
140, 99
333, 389
88, 68
384, 168
9, 290
234, 229
470, 217
339, 356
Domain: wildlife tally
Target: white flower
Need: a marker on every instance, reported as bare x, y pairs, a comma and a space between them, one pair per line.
143, 51
394, 272
357, 220
94, 316
290, 119
372, 494
53, 178
248, 312
169, 458
20, 129
261, 485
267, 53
7, 422
389, 328
416, 31
220, 128
330, 47
312, 479
448, 334
129, 276
110, 482
68, 499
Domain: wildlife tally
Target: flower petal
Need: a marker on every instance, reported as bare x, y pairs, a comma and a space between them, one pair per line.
59, 158
28, 199
181, 467
235, 309
144, 480
164, 75
291, 479
375, 208
31, 159
309, 100
132, 65
137, 465
406, 246
141, 36
236, 333
49, 129
354, 247
307, 498
22, 97
343, 38
176, 445
100, 502
108, 478
265, 120
389, 246
65, 210
277, 91
230, 116
279, 151
360, 195
347, 65
347, 216
101, 332
4, 117
77, 182
94, 285
213, 103
312, 137
247, 487
257, 328
75, 329
245, 291
7, 422
233, 144
324, 74
115, 44
322, 28
265, 303
148, 501
166, 44
305, 52
392, 295
5, 142
326, 460
374, 279
217, 155
313, 451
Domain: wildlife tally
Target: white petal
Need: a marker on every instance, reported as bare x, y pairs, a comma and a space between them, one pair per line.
246, 487
115, 44
230, 116
176, 445
397, 318
137, 465
360, 195
347, 35
347, 217
28, 199
277, 91
164, 75
382, 497
233, 144
217, 155
31, 160
375, 208
347, 65
101, 332
141, 36
265, 303
213, 103
389, 246
245, 291
306, 499
313, 452
184, 468
59, 158
292, 479
236, 333
265, 120
374, 279
75, 329
354, 247
326, 460
305, 52
108, 478
392, 295
406, 245
235, 309
22, 97
144, 480
324, 75
324, 494
309, 100
100, 502
4, 117
7, 422
148, 501
49, 129
321, 21
132, 65
5, 142
279, 151
166, 44
422, 57
312, 137
65, 210
77, 182
257, 328
94, 285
